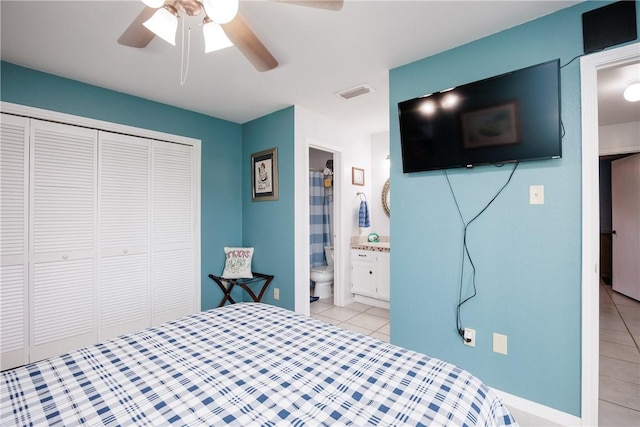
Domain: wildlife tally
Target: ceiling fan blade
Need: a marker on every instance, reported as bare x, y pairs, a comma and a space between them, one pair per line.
248, 43
318, 4
137, 35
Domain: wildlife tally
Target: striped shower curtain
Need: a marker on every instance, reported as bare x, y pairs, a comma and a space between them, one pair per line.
320, 209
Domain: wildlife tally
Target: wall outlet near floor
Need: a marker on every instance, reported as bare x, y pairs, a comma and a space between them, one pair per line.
470, 337
276, 293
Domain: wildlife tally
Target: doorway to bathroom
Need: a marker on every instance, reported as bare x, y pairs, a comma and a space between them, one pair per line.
322, 225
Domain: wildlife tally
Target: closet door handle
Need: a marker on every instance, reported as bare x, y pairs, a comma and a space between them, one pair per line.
65, 256
125, 251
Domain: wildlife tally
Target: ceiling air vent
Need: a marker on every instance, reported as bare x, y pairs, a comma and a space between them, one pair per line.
355, 92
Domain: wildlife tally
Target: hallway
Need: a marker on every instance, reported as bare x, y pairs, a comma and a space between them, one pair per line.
619, 403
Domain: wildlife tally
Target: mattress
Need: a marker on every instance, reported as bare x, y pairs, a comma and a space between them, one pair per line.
246, 364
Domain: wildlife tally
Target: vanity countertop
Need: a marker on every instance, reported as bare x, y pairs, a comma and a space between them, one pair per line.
372, 246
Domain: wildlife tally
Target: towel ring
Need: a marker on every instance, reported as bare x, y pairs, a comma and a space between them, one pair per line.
362, 196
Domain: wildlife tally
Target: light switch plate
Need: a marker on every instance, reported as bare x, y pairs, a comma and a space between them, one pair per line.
536, 194
500, 343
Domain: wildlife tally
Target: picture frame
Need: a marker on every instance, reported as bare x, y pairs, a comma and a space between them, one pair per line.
264, 175
357, 176
490, 127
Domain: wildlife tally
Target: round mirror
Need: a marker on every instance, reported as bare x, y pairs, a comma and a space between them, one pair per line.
386, 203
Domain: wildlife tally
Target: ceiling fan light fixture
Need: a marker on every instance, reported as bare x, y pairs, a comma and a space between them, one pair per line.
221, 11
632, 92
164, 24
153, 3
214, 36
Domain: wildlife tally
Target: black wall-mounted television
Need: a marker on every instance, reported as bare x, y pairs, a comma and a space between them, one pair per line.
507, 118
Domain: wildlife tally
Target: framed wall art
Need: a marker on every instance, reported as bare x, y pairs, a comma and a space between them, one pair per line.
357, 176
264, 175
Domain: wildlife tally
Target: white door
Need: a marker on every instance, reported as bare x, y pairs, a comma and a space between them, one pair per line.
173, 225
14, 190
124, 192
625, 202
63, 238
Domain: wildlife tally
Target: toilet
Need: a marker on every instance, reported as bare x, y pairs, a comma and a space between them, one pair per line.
322, 275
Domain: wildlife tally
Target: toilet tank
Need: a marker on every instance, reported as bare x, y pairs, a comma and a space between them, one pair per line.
328, 254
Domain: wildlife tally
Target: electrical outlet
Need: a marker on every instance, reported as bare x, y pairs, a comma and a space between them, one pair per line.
470, 334
276, 293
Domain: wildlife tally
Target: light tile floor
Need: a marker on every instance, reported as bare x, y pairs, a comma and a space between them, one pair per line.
619, 359
362, 318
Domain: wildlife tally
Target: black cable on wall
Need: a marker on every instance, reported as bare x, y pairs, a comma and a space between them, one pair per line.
465, 248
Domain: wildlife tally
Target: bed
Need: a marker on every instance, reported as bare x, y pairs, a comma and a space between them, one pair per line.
246, 364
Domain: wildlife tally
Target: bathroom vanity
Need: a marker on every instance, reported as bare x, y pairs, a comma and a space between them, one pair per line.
370, 273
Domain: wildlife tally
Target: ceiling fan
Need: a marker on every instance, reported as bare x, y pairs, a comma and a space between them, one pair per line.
223, 26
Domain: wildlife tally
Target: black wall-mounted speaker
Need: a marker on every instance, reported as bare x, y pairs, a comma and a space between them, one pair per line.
609, 25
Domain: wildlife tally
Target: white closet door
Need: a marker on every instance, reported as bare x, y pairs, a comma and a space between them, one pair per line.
124, 190
14, 161
63, 238
172, 287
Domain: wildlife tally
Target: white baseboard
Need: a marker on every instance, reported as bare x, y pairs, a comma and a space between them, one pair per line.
371, 301
529, 413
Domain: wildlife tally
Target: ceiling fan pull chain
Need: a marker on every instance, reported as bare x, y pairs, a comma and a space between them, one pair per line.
183, 78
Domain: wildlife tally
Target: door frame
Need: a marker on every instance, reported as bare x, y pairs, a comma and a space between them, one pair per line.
302, 264
589, 67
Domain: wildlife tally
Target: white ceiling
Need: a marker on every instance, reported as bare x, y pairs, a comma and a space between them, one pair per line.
320, 52
612, 108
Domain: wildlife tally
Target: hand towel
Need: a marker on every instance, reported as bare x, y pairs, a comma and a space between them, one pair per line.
363, 215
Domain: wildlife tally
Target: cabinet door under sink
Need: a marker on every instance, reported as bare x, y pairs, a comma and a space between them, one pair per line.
362, 275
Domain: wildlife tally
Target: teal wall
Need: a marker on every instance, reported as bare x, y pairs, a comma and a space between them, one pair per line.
221, 178
528, 258
268, 226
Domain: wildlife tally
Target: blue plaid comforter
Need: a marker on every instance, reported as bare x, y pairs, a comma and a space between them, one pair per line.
246, 364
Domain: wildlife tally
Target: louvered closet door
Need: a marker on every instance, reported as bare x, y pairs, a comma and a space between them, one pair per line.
63, 238
173, 232
14, 161
124, 190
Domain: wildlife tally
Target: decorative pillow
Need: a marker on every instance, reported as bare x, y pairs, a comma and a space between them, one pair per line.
238, 263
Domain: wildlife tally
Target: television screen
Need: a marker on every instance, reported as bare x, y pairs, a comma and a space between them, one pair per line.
510, 117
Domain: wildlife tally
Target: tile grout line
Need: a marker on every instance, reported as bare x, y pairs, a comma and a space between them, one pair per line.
608, 291
623, 321
344, 323
619, 405
620, 360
